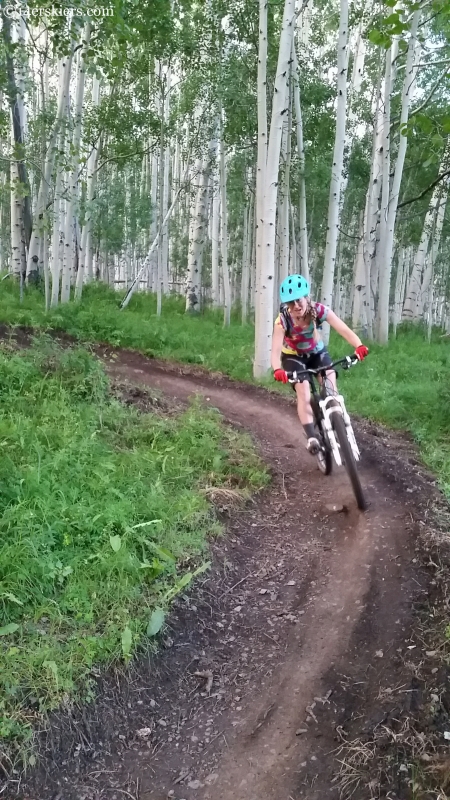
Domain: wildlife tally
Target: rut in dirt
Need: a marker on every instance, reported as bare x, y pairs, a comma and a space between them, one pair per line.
282, 653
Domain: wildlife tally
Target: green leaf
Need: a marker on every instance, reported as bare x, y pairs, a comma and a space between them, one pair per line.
53, 667
11, 628
379, 38
185, 580
142, 524
163, 553
127, 641
203, 568
13, 598
115, 542
156, 622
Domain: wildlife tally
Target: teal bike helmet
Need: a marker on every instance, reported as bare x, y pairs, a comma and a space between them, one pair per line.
293, 288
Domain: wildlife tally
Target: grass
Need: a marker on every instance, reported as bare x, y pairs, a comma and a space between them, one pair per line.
104, 518
404, 385
192, 339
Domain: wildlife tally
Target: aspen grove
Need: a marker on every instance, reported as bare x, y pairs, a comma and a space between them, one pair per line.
210, 149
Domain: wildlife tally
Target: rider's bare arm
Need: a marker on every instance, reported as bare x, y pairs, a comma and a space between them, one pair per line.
277, 343
343, 329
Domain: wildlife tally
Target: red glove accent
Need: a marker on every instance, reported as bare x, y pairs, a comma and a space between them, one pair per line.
280, 375
361, 352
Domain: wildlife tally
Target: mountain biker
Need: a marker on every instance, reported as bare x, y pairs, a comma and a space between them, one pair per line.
296, 345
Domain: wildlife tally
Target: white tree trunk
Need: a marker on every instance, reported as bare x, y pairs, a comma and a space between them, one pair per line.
64, 71
58, 202
293, 254
261, 164
391, 55
414, 285
359, 318
359, 59
371, 210
386, 264
338, 160
253, 258
283, 221
303, 231
165, 190
70, 257
85, 268
153, 268
18, 237
399, 286
427, 293
215, 234
264, 324
224, 229
197, 236
247, 249
18, 266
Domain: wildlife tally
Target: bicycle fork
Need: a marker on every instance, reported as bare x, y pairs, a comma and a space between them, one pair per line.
328, 408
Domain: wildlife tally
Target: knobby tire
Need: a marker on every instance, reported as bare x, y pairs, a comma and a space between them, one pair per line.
348, 459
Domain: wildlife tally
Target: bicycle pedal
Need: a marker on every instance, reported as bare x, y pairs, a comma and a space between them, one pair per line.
313, 448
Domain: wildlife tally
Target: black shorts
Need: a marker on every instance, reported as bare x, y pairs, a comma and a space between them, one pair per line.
298, 363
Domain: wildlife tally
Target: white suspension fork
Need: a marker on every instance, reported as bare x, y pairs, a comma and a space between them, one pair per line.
329, 407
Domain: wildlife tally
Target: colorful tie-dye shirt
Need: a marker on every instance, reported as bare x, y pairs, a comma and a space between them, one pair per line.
303, 340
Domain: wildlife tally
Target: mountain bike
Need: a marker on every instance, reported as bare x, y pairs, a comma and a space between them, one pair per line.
334, 428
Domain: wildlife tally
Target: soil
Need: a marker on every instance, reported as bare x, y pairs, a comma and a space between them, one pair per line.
280, 669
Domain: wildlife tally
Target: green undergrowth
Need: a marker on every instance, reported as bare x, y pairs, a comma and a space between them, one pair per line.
404, 385
177, 336
104, 518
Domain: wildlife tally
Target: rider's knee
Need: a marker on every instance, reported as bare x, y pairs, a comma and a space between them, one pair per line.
302, 389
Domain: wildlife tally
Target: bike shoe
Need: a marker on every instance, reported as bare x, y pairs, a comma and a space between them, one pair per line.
313, 445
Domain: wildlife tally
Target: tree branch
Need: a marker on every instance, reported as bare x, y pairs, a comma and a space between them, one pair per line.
425, 191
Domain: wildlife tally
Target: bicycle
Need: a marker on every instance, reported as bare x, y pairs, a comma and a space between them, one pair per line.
334, 427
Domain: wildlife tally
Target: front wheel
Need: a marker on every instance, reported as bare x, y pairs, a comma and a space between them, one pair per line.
348, 459
324, 457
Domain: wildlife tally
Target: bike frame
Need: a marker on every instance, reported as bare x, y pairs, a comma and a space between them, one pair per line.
330, 404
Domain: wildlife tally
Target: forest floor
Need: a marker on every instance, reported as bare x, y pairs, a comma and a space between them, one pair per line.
308, 663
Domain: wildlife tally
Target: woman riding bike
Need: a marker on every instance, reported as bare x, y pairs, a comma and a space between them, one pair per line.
296, 345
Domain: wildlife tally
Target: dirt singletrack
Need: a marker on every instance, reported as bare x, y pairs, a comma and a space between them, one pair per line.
291, 648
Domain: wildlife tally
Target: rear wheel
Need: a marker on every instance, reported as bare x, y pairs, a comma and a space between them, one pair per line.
348, 459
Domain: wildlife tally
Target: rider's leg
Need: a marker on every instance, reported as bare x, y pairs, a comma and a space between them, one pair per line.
323, 359
331, 380
304, 410
306, 416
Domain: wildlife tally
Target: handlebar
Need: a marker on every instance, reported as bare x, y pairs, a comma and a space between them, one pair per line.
346, 362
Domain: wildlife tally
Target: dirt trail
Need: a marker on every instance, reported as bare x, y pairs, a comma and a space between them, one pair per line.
354, 608
303, 625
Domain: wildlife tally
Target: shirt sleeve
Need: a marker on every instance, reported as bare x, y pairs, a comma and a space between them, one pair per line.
280, 321
322, 312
